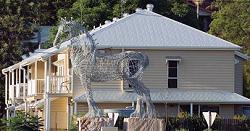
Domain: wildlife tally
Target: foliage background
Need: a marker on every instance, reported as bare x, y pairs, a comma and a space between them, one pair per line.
232, 23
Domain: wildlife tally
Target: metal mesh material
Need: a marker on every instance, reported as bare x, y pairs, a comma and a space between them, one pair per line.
91, 65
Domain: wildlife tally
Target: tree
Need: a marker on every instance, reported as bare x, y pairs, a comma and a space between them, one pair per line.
94, 12
232, 23
14, 28
19, 20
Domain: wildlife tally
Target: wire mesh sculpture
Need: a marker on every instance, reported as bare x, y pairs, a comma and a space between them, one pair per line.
91, 65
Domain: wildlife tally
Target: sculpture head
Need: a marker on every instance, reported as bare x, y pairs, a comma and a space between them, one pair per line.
77, 34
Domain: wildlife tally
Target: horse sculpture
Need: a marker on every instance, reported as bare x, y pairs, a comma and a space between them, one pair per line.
91, 65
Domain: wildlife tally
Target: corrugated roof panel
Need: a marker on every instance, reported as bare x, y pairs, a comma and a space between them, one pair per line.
170, 96
146, 29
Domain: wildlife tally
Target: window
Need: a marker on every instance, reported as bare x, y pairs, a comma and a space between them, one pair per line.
133, 68
172, 74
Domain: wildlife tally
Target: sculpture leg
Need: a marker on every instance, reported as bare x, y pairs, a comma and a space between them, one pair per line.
94, 111
139, 111
145, 93
151, 113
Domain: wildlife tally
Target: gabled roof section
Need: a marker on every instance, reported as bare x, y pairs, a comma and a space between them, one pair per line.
146, 29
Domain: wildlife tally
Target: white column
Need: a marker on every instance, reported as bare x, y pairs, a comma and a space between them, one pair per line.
191, 109
75, 108
16, 75
8, 113
19, 82
28, 81
178, 109
36, 91
45, 77
24, 82
25, 106
19, 79
24, 89
46, 95
166, 110
13, 89
6, 94
48, 69
6, 87
47, 112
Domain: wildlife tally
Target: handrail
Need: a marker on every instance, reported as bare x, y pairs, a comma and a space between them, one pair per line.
60, 84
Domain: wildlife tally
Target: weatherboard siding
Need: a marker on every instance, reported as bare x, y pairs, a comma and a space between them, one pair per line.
196, 70
238, 76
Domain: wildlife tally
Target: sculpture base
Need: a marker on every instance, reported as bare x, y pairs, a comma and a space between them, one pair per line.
145, 124
94, 124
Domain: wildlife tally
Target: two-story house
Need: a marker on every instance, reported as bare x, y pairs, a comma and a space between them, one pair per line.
189, 71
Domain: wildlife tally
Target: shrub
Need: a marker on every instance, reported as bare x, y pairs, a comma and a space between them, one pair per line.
186, 122
240, 117
22, 122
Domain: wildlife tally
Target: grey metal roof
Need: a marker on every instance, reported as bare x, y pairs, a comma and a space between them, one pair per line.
146, 29
169, 96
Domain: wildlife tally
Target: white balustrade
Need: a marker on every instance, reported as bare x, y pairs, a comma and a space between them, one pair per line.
60, 84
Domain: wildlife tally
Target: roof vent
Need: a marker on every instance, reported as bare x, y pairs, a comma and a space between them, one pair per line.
107, 21
125, 14
138, 9
150, 7
115, 19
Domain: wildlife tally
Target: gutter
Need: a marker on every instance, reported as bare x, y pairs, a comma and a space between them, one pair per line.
241, 55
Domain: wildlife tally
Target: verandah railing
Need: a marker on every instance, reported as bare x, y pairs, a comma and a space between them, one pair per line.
60, 84
35, 87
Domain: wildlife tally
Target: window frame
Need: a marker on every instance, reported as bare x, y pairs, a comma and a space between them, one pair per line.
177, 72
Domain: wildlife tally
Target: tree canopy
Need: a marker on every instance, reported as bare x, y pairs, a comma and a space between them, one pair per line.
95, 12
18, 22
14, 28
232, 23
92, 13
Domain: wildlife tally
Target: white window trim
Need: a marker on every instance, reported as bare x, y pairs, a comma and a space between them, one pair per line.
177, 76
